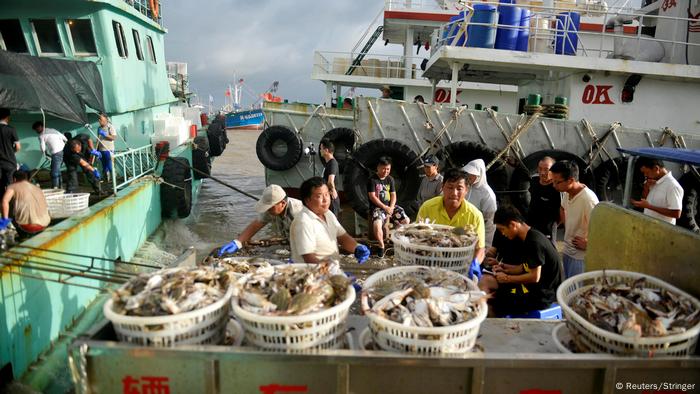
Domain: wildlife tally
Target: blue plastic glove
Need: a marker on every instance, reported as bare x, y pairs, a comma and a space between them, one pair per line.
4, 222
361, 253
102, 133
231, 247
474, 270
96, 173
96, 153
353, 280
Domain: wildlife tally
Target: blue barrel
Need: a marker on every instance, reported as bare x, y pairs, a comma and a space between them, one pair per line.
482, 36
453, 31
508, 26
524, 32
566, 39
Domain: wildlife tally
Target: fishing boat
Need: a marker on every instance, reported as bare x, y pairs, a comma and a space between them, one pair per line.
252, 118
63, 63
506, 82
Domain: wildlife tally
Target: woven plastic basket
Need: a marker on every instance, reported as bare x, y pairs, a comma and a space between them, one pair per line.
454, 259
54, 201
64, 205
51, 192
313, 331
202, 326
392, 336
588, 336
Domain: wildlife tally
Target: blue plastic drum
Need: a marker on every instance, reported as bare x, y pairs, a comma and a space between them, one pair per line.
454, 33
524, 32
508, 26
483, 36
566, 40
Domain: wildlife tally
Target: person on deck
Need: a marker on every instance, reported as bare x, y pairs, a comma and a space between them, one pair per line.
330, 173
386, 92
29, 209
577, 202
75, 161
452, 209
381, 191
530, 283
482, 196
9, 145
107, 135
347, 103
431, 184
545, 200
662, 197
55, 142
273, 207
316, 232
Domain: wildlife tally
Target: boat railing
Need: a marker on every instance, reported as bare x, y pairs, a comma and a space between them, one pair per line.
131, 165
143, 6
372, 66
438, 6
616, 33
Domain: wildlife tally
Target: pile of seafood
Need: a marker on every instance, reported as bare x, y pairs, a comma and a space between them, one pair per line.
288, 290
239, 265
636, 310
426, 234
171, 291
430, 297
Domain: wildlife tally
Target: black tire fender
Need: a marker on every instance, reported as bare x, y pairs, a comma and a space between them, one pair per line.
176, 189
585, 176
200, 157
344, 141
690, 214
612, 174
458, 154
266, 148
363, 163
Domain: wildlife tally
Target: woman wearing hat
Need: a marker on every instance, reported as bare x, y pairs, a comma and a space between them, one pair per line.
481, 195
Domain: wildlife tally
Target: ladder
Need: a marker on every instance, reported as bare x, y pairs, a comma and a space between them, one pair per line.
358, 60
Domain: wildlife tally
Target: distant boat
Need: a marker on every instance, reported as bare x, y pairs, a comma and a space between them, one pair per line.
244, 119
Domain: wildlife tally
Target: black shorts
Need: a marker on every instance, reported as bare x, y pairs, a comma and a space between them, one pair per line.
510, 300
397, 217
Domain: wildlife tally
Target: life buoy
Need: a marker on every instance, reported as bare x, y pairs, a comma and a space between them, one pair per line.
200, 157
363, 163
279, 148
176, 189
155, 9
690, 215
344, 141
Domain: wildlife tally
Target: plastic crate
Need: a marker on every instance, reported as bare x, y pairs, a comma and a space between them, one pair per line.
63, 205
453, 259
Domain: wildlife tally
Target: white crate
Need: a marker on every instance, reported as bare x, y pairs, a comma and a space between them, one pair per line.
63, 205
454, 259
588, 336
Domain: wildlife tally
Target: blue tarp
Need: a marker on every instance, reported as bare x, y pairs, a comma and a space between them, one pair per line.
686, 156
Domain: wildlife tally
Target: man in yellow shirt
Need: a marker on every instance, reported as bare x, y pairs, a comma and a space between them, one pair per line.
453, 210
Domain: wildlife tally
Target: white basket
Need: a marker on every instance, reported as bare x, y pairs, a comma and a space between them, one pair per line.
453, 259
64, 205
396, 337
588, 336
201, 326
560, 337
313, 331
51, 192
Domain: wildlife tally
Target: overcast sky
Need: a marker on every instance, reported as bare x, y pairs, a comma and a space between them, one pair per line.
261, 41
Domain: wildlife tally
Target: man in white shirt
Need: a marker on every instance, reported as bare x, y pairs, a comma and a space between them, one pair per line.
106, 137
662, 197
577, 202
316, 232
51, 142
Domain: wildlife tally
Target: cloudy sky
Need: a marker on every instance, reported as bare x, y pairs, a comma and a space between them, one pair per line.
261, 41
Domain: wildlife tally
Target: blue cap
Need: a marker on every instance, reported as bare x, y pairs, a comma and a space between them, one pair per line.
430, 160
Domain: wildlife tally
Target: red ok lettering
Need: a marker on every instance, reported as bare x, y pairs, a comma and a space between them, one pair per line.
668, 4
596, 94
445, 95
149, 385
278, 388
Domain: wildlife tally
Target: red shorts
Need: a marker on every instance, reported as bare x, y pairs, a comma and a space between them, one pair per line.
31, 228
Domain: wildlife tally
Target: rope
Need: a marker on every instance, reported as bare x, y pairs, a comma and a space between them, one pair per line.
456, 113
678, 141
599, 144
519, 130
508, 138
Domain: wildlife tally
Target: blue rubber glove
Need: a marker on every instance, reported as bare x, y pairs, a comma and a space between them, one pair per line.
231, 247
353, 280
361, 253
474, 270
96, 173
4, 222
102, 133
96, 153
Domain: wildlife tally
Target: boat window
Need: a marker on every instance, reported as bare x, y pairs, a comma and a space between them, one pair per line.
120, 39
137, 44
151, 50
11, 36
46, 32
81, 35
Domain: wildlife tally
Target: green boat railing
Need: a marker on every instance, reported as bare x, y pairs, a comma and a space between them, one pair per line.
131, 165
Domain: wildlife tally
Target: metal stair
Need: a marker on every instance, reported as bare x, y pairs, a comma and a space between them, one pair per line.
358, 60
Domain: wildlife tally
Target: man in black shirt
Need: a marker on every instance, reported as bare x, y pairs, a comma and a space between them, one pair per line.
545, 200
530, 284
9, 144
74, 161
381, 191
330, 173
